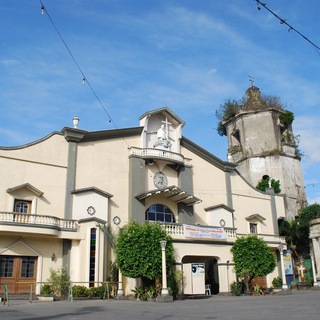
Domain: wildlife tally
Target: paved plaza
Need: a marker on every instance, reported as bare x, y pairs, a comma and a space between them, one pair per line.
296, 305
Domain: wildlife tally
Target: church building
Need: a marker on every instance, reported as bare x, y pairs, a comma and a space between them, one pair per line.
60, 194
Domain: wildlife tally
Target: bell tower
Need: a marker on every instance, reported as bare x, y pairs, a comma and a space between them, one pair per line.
261, 141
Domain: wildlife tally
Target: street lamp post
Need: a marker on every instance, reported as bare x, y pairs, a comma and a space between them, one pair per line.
120, 289
165, 296
164, 291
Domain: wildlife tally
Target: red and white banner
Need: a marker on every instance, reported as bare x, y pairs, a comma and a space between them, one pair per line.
204, 232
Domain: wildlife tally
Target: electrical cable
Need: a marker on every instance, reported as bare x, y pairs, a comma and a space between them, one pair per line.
283, 21
84, 78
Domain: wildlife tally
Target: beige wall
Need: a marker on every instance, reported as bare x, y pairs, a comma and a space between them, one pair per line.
43, 165
105, 165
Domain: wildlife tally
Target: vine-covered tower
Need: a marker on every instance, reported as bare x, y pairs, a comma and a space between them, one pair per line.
261, 141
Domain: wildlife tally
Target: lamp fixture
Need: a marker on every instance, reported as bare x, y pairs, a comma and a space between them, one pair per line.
53, 257
163, 244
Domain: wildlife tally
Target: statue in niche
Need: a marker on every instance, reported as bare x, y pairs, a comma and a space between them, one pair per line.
163, 141
162, 133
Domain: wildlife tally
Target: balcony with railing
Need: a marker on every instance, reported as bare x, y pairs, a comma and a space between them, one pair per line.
196, 232
213, 233
23, 222
153, 153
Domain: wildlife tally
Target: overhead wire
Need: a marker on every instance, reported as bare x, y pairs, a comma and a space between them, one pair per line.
284, 21
84, 78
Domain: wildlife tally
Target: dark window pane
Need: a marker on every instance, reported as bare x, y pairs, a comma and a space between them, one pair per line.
6, 266
151, 216
27, 267
21, 207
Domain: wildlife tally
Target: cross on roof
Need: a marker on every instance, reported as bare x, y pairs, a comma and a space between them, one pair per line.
251, 79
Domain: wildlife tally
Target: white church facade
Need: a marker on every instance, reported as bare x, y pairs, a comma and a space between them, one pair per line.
59, 194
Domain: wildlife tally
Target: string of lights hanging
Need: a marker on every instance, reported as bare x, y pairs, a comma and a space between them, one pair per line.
283, 21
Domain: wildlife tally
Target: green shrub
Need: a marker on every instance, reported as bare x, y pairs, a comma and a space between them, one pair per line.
101, 291
173, 285
140, 293
235, 288
277, 283
46, 289
286, 117
308, 279
59, 283
80, 291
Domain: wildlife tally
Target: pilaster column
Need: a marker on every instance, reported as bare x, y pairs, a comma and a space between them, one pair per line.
283, 274
314, 275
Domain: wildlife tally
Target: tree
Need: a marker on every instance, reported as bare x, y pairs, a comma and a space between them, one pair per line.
263, 185
288, 229
297, 231
228, 109
138, 250
59, 283
252, 258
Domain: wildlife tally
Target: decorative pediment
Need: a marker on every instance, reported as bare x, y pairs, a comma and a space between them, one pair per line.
19, 248
255, 218
27, 186
94, 190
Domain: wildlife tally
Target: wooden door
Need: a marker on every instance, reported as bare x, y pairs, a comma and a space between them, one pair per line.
18, 273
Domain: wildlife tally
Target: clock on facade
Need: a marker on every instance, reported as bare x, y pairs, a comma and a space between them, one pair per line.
91, 210
160, 180
116, 220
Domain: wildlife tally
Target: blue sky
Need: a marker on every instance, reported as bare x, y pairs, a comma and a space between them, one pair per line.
138, 55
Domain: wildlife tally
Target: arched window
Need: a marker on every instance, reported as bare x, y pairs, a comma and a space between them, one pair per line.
22, 206
159, 212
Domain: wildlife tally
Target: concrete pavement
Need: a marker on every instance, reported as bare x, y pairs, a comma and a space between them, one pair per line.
296, 305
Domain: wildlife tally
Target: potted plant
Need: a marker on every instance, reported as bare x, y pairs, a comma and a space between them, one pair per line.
46, 293
256, 290
277, 284
139, 293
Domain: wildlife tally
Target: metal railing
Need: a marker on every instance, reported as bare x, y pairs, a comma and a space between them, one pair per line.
4, 286
108, 287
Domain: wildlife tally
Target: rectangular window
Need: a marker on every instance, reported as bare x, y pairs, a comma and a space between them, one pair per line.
253, 228
27, 267
6, 267
92, 262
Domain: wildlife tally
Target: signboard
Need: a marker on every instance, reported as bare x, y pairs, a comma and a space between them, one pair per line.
197, 269
287, 262
204, 232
